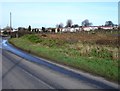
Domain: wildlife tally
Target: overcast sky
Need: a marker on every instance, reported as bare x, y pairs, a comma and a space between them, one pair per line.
48, 14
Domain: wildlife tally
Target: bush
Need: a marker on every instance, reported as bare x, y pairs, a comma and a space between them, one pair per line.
33, 38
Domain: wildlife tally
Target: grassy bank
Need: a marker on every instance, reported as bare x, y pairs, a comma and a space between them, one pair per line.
70, 50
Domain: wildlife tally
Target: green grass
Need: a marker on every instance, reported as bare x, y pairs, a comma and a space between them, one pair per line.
61, 52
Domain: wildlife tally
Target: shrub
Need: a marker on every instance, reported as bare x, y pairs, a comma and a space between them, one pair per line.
33, 38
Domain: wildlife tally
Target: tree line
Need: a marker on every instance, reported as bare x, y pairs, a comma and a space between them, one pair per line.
84, 23
69, 23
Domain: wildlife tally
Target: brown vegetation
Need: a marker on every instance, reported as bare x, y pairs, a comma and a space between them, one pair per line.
97, 38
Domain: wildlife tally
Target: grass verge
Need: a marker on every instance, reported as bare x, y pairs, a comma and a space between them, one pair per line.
66, 53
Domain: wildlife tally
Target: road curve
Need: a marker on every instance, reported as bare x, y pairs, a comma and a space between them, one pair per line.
24, 71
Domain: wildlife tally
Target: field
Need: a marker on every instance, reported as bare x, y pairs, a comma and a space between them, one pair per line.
96, 53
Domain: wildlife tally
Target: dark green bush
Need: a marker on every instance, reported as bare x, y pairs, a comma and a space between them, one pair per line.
33, 38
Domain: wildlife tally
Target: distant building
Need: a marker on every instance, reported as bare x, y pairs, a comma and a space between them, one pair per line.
14, 30
8, 29
36, 30
106, 27
21, 29
89, 28
1, 31
57, 30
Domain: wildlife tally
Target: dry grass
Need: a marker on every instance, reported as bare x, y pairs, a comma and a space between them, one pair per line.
85, 43
97, 38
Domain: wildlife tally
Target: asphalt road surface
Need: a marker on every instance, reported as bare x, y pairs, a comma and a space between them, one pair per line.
21, 70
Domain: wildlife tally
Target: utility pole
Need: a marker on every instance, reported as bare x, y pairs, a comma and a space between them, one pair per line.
10, 24
10, 20
119, 13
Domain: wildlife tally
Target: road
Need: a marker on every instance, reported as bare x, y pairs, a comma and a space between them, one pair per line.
21, 70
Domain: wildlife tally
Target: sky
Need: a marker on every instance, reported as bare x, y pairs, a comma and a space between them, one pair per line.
48, 14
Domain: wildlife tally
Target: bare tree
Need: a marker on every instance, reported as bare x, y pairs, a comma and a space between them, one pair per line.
58, 26
109, 23
86, 23
69, 23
